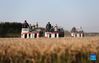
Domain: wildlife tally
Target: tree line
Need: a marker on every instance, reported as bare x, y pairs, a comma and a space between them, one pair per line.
10, 29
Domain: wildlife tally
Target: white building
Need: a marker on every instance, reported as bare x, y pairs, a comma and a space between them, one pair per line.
25, 33
51, 34
77, 32
34, 31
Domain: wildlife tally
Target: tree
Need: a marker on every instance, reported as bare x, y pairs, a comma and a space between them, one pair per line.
10, 29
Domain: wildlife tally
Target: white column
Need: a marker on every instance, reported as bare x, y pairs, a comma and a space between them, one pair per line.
46, 34
72, 34
81, 34
78, 35
37, 35
31, 35
52, 35
27, 35
57, 35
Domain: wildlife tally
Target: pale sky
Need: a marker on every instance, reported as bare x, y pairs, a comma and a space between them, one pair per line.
65, 13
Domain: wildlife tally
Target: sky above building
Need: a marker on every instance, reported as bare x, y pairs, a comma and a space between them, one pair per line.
65, 13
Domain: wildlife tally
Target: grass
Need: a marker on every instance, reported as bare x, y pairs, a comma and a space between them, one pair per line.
44, 50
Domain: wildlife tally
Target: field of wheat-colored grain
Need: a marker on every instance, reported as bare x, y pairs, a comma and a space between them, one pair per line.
44, 50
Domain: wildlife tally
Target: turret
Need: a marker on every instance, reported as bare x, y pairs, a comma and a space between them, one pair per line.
73, 32
25, 30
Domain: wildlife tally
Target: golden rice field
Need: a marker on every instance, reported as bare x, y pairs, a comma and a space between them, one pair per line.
44, 50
